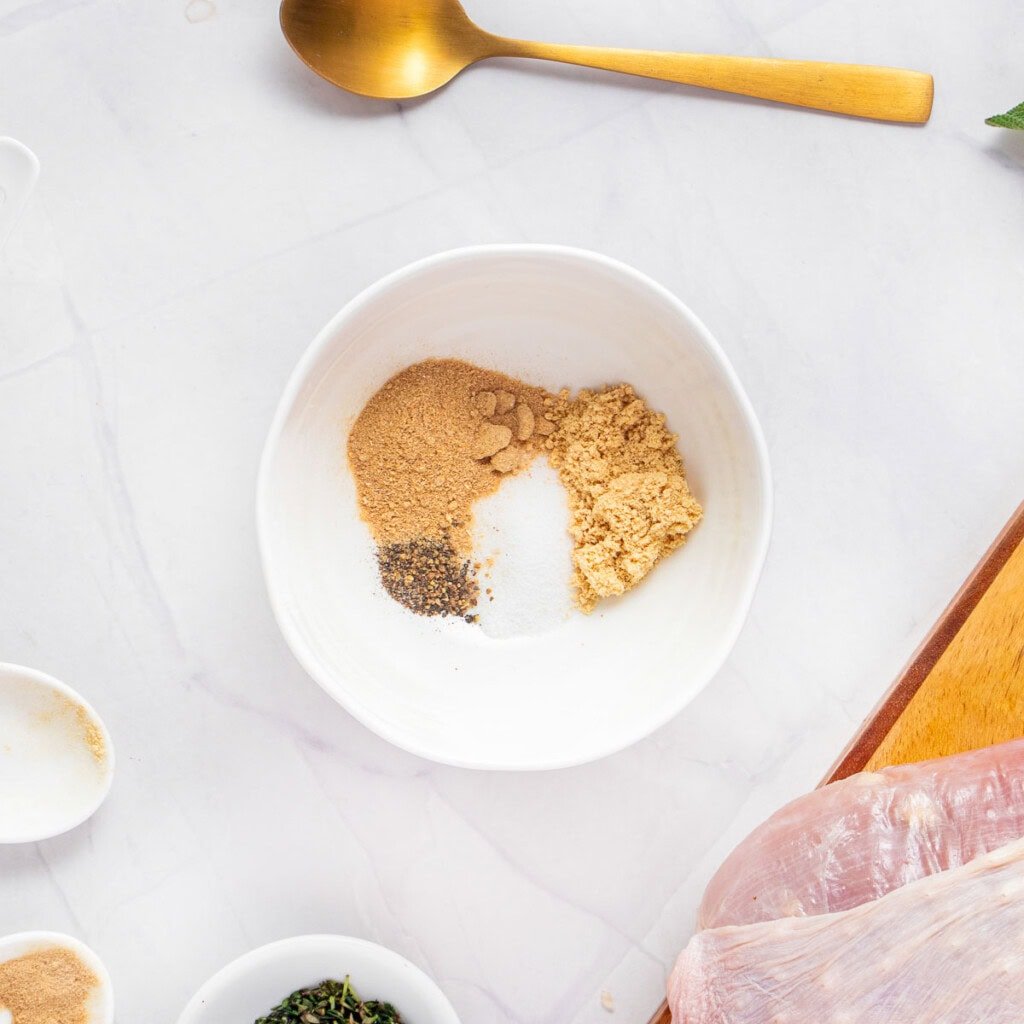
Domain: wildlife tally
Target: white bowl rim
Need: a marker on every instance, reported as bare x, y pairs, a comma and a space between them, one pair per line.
85, 952
728, 637
262, 955
42, 679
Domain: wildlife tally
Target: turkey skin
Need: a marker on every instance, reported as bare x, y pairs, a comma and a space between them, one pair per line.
948, 949
856, 840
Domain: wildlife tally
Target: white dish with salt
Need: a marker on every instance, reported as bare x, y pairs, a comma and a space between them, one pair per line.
56, 757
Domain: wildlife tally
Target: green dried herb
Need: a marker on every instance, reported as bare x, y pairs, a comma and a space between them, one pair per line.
1011, 119
330, 1002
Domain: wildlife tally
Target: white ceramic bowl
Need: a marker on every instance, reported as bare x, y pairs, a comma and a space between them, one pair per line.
51, 780
101, 1005
252, 985
589, 685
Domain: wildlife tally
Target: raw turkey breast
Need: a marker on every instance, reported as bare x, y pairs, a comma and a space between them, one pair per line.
942, 950
856, 840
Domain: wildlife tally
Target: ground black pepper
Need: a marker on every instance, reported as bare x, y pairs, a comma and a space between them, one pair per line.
429, 577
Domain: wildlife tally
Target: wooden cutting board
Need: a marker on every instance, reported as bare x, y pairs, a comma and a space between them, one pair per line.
964, 687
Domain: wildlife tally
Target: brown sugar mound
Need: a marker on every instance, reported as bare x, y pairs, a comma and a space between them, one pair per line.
629, 501
48, 986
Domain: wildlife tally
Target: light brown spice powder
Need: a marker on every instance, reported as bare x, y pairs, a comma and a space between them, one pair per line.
420, 449
47, 986
431, 442
629, 501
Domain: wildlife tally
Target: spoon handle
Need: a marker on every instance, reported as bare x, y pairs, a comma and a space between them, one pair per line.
885, 94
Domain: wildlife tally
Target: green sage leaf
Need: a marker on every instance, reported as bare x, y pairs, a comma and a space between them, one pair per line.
1011, 119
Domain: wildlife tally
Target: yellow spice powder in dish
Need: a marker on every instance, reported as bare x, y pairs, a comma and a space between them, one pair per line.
630, 504
77, 720
92, 735
47, 986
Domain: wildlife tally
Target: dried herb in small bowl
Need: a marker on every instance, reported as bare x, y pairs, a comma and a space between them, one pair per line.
330, 1002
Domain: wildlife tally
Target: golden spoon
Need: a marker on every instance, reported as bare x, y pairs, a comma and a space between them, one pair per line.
395, 49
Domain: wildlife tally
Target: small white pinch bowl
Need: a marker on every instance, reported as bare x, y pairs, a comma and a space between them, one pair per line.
101, 1005
50, 779
588, 685
251, 986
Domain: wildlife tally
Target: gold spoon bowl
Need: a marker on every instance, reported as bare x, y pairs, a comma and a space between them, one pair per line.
397, 49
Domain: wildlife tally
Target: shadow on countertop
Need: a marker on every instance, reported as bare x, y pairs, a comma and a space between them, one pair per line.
1008, 148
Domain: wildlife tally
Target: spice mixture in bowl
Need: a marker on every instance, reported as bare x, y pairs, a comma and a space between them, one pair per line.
319, 979
442, 434
513, 507
50, 978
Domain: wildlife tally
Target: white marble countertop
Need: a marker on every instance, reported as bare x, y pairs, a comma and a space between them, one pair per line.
206, 204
